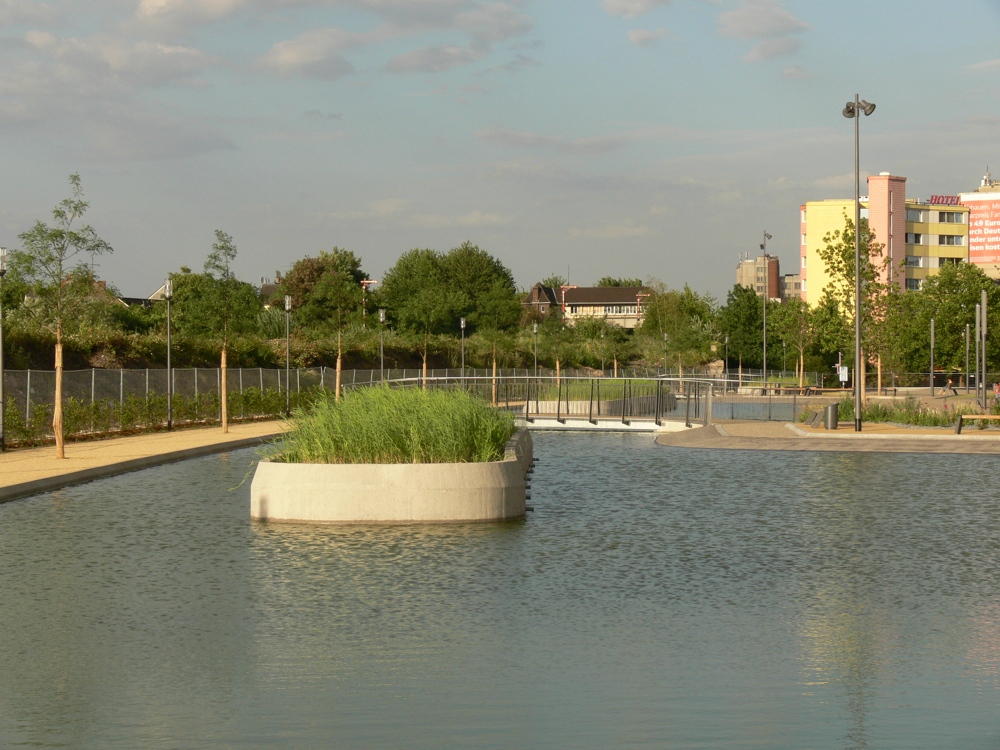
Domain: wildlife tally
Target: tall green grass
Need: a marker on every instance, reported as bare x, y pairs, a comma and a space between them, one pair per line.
391, 425
907, 412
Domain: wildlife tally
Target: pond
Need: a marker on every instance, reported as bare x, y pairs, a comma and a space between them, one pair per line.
656, 598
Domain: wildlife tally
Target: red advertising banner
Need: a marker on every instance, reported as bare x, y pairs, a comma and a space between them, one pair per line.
984, 231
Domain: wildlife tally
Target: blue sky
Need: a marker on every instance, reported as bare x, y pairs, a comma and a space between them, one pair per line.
650, 138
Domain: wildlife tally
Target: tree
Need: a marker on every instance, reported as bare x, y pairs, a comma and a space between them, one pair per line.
554, 282
418, 297
612, 281
51, 263
742, 320
687, 319
877, 281
793, 322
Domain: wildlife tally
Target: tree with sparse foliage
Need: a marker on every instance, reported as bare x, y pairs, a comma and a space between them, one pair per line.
612, 281
52, 264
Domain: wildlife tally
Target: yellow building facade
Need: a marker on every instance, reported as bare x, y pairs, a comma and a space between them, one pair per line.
918, 236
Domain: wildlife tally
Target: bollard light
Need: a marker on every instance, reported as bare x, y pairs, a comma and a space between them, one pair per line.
288, 355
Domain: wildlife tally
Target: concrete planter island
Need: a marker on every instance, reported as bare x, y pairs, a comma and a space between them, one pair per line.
394, 493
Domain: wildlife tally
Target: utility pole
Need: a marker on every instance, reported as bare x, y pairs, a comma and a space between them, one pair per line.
767, 272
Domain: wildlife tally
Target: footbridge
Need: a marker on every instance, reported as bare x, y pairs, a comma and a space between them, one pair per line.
653, 404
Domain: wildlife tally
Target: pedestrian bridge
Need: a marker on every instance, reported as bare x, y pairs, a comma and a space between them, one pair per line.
589, 403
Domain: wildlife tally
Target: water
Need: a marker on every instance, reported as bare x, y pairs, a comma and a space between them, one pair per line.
661, 598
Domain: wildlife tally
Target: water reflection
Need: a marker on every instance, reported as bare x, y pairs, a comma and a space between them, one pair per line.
656, 598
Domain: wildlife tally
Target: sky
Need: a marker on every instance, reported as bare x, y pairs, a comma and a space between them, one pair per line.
655, 139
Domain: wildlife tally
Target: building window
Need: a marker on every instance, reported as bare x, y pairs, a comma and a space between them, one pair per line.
803, 238
912, 285
913, 214
949, 261
913, 261
803, 261
950, 217
803, 286
802, 215
949, 239
914, 239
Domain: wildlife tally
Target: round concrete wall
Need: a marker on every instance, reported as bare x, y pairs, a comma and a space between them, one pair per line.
394, 493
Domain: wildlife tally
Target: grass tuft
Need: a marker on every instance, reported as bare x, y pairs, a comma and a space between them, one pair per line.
381, 425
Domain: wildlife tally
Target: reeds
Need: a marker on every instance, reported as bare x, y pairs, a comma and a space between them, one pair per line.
395, 425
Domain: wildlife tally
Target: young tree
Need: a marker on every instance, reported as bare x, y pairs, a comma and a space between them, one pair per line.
612, 281
52, 264
228, 308
742, 320
794, 325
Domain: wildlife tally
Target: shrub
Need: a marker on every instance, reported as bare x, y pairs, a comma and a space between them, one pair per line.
908, 412
386, 425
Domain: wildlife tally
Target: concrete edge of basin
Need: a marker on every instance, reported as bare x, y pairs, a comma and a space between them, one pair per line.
394, 493
48, 484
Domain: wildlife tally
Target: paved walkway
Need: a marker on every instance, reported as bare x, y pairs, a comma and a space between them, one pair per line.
25, 472
756, 435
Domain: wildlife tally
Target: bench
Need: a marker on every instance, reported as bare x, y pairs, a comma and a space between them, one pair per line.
886, 389
963, 417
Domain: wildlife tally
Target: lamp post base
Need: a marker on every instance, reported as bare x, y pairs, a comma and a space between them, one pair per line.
857, 425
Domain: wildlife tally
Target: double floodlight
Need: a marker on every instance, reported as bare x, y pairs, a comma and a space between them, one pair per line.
3, 261
862, 106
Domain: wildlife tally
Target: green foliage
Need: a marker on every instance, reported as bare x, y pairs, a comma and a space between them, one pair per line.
906, 412
742, 319
554, 282
612, 281
384, 425
325, 290
688, 320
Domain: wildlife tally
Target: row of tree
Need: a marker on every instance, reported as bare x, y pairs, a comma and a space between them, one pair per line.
439, 305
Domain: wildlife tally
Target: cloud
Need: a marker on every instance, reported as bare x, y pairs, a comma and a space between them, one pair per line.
772, 48
473, 219
795, 72
644, 38
840, 181
516, 139
314, 54
433, 59
183, 14
631, 8
26, 12
615, 231
767, 20
520, 62
984, 66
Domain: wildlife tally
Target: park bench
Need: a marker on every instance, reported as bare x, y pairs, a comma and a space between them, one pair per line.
963, 417
886, 389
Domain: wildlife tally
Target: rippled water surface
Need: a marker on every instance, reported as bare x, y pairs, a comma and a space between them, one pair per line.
657, 597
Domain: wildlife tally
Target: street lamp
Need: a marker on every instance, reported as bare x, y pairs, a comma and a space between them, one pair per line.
3, 404
461, 322
966, 359
767, 272
535, 331
288, 355
784, 356
854, 110
932, 357
725, 366
381, 343
168, 294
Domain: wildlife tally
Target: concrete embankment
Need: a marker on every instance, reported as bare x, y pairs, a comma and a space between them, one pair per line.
394, 493
33, 470
780, 436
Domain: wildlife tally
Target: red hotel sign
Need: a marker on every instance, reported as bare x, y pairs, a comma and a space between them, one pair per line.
944, 200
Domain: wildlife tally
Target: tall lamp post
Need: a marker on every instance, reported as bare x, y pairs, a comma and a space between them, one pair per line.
288, 355
966, 359
381, 343
854, 110
725, 365
534, 329
168, 294
767, 272
3, 404
932, 357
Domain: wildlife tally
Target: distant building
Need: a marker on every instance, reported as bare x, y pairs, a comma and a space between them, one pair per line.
919, 236
760, 274
619, 305
791, 286
541, 300
984, 225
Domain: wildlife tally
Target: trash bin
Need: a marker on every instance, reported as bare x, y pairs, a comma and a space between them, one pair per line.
830, 417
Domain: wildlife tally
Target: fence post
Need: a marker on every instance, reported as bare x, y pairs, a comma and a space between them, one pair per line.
559, 401
687, 407
590, 408
298, 380
121, 399
624, 386
657, 420
218, 389
27, 401
147, 385
708, 404
196, 393
242, 409
93, 389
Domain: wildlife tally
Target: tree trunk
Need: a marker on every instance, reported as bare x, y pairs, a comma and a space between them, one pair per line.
336, 393
802, 367
741, 371
616, 365
494, 374
557, 372
57, 410
425, 364
680, 367
222, 396
879, 365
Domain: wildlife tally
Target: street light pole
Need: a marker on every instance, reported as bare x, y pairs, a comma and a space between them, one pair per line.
932, 357
462, 324
535, 331
602, 353
168, 294
767, 272
381, 343
3, 403
966, 359
978, 337
288, 355
725, 366
854, 110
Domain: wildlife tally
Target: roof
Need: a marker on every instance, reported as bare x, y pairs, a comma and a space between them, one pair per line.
603, 295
